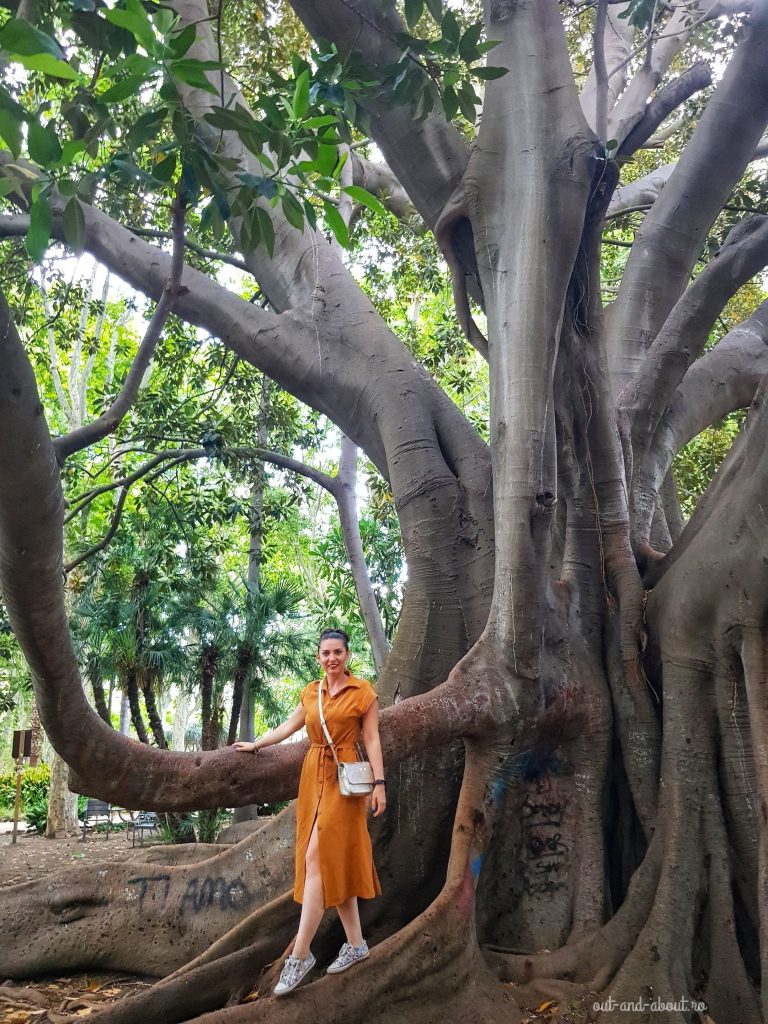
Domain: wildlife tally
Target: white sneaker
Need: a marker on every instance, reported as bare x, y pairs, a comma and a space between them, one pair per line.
293, 973
348, 955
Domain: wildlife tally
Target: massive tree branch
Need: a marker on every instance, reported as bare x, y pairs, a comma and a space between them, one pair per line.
679, 342
669, 240
721, 381
663, 103
682, 338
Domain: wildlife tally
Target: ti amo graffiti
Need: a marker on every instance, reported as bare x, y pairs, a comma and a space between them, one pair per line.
203, 894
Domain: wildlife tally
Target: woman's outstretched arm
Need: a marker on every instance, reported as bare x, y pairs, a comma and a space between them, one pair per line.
276, 735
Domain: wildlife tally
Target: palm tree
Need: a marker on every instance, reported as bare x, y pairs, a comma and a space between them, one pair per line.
269, 643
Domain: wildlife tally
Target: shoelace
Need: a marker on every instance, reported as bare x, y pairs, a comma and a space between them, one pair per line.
291, 968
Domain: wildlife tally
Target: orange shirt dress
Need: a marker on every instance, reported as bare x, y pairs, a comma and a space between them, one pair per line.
344, 846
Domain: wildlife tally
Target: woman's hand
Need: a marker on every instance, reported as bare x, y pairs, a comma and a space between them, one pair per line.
248, 748
378, 801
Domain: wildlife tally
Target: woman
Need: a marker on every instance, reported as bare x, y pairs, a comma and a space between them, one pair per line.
334, 863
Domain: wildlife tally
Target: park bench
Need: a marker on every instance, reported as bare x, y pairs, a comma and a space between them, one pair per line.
95, 810
144, 822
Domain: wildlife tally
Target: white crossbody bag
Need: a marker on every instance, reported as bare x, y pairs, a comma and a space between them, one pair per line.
355, 777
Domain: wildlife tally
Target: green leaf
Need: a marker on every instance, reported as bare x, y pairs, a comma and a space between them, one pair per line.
467, 101
39, 233
365, 198
450, 28
301, 95
435, 8
293, 210
19, 37
211, 219
413, 12
450, 102
163, 170
10, 131
147, 126
135, 20
311, 214
320, 122
71, 149
326, 160
335, 222
73, 223
231, 120
192, 72
267, 229
48, 65
489, 73
129, 86
43, 144
128, 169
181, 43
468, 46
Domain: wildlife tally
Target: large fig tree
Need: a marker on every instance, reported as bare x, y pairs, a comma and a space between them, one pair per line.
575, 722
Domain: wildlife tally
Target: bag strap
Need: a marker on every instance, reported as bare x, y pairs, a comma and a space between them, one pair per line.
322, 720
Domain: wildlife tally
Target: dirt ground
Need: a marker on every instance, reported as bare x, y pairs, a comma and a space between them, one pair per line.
56, 1000
33, 856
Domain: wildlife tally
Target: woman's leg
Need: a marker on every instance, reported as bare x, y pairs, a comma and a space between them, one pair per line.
313, 905
350, 918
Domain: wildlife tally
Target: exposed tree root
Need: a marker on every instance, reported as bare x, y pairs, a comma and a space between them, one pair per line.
148, 918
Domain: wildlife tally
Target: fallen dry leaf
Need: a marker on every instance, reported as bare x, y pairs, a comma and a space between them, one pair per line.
16, 1017
546, 1006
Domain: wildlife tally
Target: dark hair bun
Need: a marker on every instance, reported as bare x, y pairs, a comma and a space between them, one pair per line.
334, 634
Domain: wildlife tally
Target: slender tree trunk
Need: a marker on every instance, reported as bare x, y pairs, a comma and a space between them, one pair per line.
210, 725
182, 707
125, 713
132, 691
258, 484
37, 737
153, 715
238, 693
100, 701
243, 702
346, 498
62, 804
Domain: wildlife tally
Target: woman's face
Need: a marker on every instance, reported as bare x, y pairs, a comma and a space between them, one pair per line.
333, 655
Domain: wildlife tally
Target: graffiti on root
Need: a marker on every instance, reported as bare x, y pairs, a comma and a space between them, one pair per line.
545, 852
199, 895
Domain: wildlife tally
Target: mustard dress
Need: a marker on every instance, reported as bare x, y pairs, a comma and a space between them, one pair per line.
344, 846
